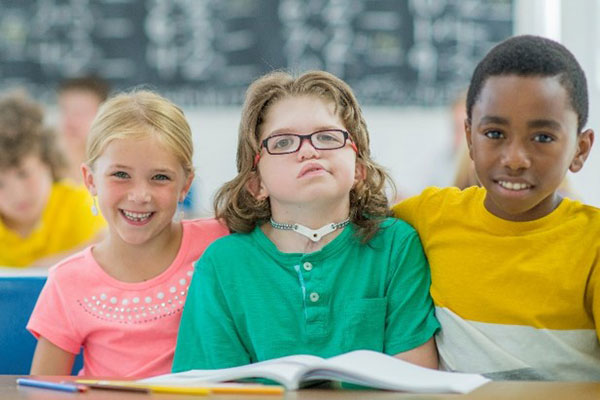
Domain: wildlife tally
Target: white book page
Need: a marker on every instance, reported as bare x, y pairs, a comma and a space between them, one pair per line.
285, 370
381, 371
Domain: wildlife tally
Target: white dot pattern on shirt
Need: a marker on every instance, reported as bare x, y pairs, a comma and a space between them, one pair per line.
112, 308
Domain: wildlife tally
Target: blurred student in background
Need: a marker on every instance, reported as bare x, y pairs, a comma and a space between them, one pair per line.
42, 219
78, 103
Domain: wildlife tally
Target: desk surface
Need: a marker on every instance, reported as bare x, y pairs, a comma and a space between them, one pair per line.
493, 390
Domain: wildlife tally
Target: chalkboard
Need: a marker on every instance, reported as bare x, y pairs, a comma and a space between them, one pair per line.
206, 52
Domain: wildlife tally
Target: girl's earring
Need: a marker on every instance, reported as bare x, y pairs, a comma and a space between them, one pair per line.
94, 207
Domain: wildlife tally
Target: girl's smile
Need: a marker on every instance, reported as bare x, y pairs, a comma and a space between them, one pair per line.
137, 218
138, 182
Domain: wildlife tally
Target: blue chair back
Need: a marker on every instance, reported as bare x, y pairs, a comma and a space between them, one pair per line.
17, 299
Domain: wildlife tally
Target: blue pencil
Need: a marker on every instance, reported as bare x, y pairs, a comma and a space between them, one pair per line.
65, 387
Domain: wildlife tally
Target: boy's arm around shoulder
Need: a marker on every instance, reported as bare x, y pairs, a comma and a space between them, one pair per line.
421, 209
410, 209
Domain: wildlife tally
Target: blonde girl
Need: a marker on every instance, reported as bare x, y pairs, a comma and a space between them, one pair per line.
121, 299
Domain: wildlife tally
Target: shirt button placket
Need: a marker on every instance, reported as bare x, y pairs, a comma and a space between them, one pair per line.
313, 296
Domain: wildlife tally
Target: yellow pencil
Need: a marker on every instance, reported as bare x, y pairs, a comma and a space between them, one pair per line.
179, 390
247, 389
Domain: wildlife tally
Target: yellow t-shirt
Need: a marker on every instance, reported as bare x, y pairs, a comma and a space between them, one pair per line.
515, 299
66, 223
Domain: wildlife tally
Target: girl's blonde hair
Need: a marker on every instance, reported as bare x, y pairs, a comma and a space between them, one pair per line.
368, 201
140, 114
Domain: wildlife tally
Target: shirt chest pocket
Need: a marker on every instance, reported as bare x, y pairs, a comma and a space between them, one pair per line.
364, 326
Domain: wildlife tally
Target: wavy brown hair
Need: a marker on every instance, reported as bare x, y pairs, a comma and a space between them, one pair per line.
23, 133
241, 211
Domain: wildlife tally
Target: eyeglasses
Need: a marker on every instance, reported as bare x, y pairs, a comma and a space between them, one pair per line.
286, 143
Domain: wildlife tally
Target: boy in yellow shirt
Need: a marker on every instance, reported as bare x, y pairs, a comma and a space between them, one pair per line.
514, 266
41, 218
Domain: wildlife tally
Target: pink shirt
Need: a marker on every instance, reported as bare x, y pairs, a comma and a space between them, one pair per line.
125, 329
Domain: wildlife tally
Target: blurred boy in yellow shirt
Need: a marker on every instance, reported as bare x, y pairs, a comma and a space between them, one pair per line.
41, 218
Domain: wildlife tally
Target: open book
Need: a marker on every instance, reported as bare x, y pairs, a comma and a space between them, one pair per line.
361, 367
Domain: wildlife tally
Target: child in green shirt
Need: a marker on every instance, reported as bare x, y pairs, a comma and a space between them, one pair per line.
314, 266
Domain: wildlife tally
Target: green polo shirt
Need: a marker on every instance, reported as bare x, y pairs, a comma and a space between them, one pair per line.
249, 302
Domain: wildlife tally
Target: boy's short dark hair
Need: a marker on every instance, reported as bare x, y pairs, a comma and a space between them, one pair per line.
529, 55
22, 133
91, 83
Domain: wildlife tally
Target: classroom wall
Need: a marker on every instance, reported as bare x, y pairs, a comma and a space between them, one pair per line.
413, 143
580, 32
